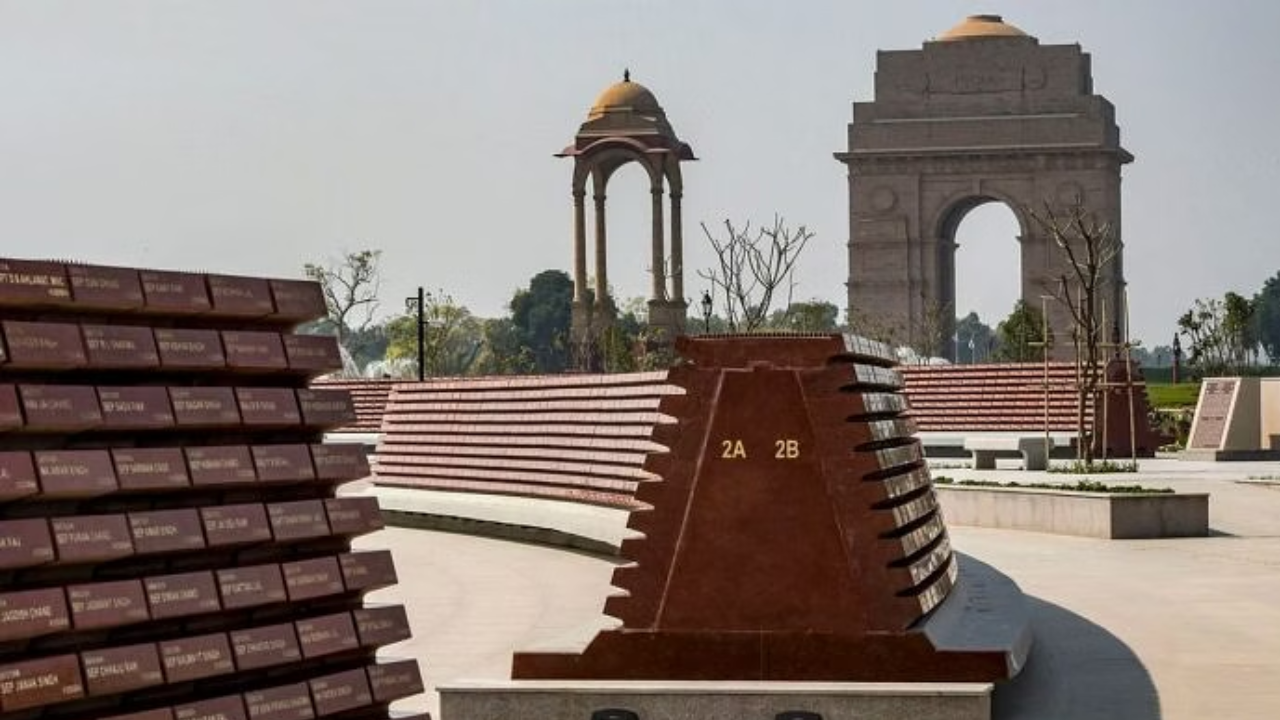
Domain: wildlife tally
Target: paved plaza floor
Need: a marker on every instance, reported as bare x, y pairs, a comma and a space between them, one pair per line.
1126, 629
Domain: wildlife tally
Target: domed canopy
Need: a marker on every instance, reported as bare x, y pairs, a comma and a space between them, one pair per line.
625, 96
980, 27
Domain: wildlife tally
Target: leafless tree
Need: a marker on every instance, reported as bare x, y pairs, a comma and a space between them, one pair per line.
755, 270
1088, 248
350, 288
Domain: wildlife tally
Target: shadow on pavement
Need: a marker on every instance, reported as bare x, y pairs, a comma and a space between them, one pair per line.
1076, 671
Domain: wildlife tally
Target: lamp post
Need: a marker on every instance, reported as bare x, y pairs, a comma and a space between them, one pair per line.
706, 312
1177, 357
417, 304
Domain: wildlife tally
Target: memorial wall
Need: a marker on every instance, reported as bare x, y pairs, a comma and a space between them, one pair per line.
171, 543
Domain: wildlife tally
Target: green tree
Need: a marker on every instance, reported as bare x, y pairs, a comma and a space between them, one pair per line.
1018, 334
1223, 334
811, 316
501, 353
974, 339
542, 314
452, 337
1267, 317
1238, 325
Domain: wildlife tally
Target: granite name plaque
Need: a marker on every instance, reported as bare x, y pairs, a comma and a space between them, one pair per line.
312, 353
326, 635
317, 577
265, 646
340, 462
1212, 413
287, 702
174, 292
192, 658
267, 407
220, 465
36, 683
61, 408
32, 613
17, 475
120, 346
97, 287
204, 407
235, 524
34, 282
392, 681
150, 469
110, 671
10, 414
107, 604
326, 408
24, 543
297, 301
353, 515
182, 594
297, 520
135, 408
251, 586
340, 692
91, 538
75, 473
251, 350
230, 707
240, 296
367, 570
44, 345
378, 626
283, 463
185, 349
164, 531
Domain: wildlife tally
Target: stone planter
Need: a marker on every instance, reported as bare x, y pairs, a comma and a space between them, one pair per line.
1113, 516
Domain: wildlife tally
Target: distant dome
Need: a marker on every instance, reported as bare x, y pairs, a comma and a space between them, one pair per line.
978, 27
625, 96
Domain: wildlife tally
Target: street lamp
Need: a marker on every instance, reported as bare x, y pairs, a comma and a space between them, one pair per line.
418, 305
706, 312
1177, 357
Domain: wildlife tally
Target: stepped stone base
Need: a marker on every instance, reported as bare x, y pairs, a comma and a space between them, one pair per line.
674, 700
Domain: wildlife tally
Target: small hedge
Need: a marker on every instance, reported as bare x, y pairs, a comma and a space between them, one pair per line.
1092, 486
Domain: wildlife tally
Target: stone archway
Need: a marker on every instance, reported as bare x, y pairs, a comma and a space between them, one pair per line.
984, 112
627, 125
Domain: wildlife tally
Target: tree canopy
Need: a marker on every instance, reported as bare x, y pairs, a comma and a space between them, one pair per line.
541, 315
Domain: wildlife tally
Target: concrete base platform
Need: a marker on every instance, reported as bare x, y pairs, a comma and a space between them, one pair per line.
546, 522
670, 700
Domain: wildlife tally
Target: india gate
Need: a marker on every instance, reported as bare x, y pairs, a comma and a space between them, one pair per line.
984, 113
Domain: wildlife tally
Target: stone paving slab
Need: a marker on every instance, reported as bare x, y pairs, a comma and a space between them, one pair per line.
1180, 629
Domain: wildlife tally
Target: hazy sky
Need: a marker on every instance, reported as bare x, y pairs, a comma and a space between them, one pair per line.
251, 136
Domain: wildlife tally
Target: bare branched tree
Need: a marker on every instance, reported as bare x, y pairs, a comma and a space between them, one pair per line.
350, 288
1089, 247
755, 270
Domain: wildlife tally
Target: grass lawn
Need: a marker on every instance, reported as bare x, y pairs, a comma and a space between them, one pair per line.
1168, 395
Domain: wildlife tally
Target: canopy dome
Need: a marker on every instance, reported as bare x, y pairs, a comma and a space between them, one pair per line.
625, 96
978, 27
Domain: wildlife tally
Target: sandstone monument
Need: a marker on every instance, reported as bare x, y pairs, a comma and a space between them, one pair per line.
983, 113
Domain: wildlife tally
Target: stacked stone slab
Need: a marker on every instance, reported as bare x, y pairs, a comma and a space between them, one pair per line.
789, 532
171, 544
575, 438
1011, 397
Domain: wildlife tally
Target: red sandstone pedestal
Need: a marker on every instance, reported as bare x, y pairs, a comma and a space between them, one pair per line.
793, 536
